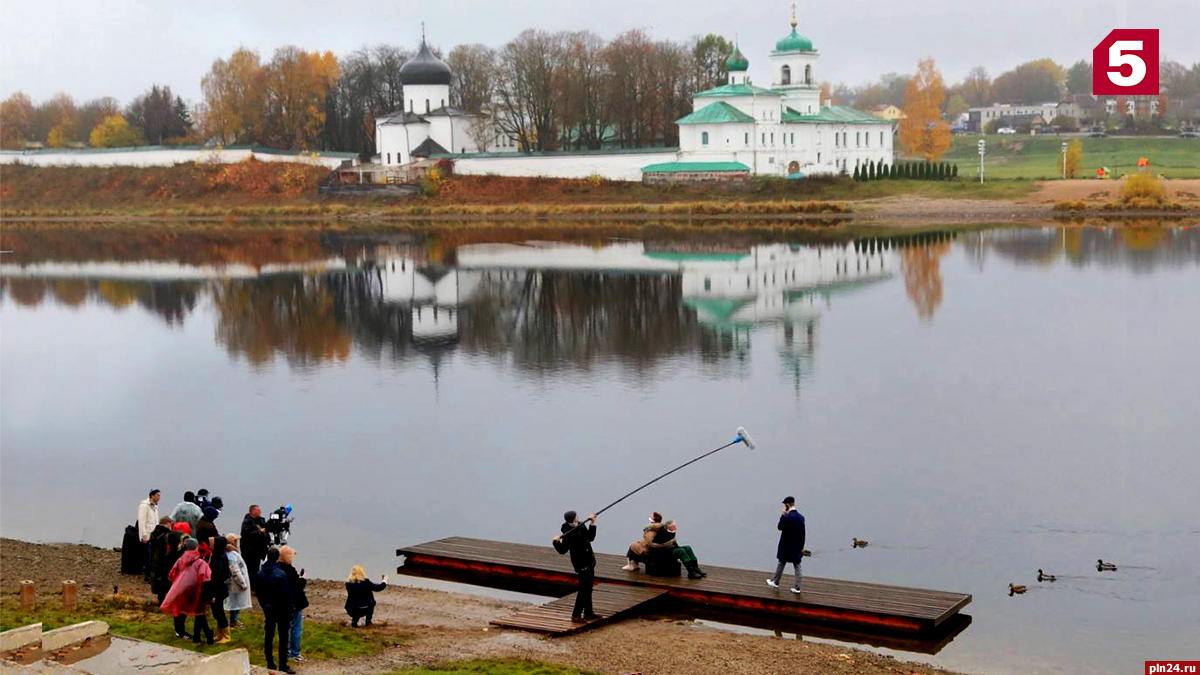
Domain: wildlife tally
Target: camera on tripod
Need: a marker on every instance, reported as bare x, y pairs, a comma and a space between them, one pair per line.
279, 525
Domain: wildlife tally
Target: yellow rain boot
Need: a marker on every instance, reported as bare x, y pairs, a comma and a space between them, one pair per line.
223, 636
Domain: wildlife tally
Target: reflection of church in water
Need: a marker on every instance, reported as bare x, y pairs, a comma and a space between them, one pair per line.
550, 301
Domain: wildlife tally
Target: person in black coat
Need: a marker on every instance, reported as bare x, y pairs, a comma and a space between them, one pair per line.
275, 597
578, 541
206, 527
791, 543
254, 542
287, 556
360, 595
161, 546
216, 589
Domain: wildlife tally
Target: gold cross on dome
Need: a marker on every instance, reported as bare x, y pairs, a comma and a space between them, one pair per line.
793, 15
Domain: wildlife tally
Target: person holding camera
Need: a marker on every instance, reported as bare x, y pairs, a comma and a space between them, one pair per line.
360, 595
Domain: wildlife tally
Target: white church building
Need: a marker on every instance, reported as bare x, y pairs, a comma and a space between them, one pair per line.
781, 130
428, 125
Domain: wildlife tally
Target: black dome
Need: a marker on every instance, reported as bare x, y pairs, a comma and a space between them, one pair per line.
425, 68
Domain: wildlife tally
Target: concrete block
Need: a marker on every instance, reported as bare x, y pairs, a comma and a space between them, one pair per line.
20, 637
233, 662
68, 635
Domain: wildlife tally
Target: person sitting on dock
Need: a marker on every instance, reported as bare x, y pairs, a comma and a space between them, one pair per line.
639, 551
791, 543
577, 538
684, 554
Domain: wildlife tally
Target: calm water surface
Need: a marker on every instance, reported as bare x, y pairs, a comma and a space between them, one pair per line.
977, 406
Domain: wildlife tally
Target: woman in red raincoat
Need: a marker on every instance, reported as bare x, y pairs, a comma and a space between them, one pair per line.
186, 597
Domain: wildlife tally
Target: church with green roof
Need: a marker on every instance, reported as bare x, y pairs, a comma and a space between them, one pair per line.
782, 129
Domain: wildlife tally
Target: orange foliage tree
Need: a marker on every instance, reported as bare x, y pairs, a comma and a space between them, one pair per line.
922, 131
16, 121
297, 83
234, 98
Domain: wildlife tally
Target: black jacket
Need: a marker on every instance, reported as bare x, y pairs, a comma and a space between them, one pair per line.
579, 543
297, 584
160, 554
217, 587
205, 530
360, 595
791, 537
274, 591
254, 541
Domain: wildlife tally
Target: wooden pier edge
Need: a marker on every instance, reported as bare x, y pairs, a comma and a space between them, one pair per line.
863, 605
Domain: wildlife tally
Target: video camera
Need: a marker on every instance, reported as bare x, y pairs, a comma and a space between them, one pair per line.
279, 525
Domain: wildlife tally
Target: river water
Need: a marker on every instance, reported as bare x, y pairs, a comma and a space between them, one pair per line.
976, 405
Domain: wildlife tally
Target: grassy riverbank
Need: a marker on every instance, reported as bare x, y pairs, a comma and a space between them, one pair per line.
137, 618
1033, 158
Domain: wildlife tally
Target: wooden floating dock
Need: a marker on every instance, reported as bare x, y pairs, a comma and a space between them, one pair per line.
865, 606
608, 601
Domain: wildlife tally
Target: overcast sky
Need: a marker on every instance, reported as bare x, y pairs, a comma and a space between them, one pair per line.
120, 47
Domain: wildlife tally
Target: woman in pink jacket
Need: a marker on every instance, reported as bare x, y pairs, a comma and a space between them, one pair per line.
186, 596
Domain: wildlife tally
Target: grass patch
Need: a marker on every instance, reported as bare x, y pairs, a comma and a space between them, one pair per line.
144, 621
1040, 157
503, 667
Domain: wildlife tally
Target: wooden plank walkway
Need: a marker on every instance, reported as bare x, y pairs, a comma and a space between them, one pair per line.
864, 605
554, 618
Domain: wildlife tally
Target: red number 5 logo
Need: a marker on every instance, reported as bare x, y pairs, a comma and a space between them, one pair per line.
1126, 62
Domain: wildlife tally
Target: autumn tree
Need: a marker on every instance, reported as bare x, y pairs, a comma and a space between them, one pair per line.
922, 132
826, 94
584, 109
1074, 158
114, 132
530, 66
57, 120
296, 83
16, 121
95, 111
235, 98
474, 67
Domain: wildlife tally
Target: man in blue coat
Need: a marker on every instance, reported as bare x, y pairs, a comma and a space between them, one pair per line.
791, 543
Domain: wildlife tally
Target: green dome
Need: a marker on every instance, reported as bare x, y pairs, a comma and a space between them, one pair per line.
736, 63
794, 42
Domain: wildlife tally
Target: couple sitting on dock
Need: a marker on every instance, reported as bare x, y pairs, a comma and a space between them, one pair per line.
659, 549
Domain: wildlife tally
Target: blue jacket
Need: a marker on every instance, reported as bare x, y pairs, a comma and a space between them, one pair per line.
791, 537
274, 590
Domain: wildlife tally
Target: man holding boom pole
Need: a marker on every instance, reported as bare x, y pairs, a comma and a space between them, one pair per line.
578, 540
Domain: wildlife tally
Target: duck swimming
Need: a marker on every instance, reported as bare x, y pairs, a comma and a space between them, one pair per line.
1016, 590
1042, 576
1102, 566
859, 543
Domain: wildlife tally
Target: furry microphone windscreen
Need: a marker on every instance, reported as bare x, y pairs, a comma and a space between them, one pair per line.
745, 437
